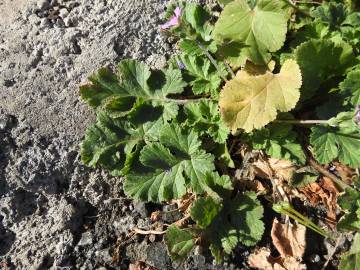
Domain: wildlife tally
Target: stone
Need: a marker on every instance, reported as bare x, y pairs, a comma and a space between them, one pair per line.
86, 239
63, 13
43, 4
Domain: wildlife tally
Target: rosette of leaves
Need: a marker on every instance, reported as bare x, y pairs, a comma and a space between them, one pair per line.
222, 221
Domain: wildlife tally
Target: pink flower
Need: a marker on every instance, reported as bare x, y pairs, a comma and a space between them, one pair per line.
174, 20
358, 115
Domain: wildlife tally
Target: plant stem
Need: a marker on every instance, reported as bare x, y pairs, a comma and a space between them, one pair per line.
229, 70
303, 122
184, 101
307, 2
212, 60
290, 3
286, 208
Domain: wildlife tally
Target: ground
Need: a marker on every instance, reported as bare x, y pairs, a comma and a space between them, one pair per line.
55, 213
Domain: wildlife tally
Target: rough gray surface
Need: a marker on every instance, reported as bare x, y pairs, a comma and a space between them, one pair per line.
54, 212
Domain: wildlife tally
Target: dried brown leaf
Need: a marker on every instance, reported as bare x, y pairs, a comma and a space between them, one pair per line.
274, 168
346, 173
262, 259
184, 203
249, 182
155, 216
324, 192
290, 263
289, 239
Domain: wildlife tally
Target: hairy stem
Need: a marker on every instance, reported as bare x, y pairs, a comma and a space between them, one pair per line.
184, 101
303, 122
307, 2
229, 70
212, 60
292, 4
286, 208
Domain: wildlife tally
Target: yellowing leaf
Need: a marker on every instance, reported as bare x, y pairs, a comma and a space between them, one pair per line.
251, 102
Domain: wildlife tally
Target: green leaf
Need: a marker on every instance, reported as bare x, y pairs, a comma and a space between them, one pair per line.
353, 19
261, 28
251, 102
247, 213
214, 181
350, 203
310, 31
105, 85
278, 141
118, 96
330, 143
351, 260
320, 60
201, 75
112, 143
351, 87
180, 242
226, 224
169, 167
204, 210
204, 118
231, 52
224, 2
221, 151
198, 17
324, 143
332, 14
189, 47
304, 176
217, 186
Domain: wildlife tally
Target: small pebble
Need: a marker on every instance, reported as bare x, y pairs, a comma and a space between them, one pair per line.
3, 124
67, 21
315, 258
86, 239
60, 23
43, 4
44, 22
63, 13
152, 238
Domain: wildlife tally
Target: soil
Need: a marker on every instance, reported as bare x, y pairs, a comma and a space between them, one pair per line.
55, 213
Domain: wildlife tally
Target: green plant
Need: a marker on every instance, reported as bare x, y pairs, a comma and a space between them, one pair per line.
296, 93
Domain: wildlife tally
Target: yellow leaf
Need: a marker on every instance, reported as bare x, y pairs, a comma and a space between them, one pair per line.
250, 102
